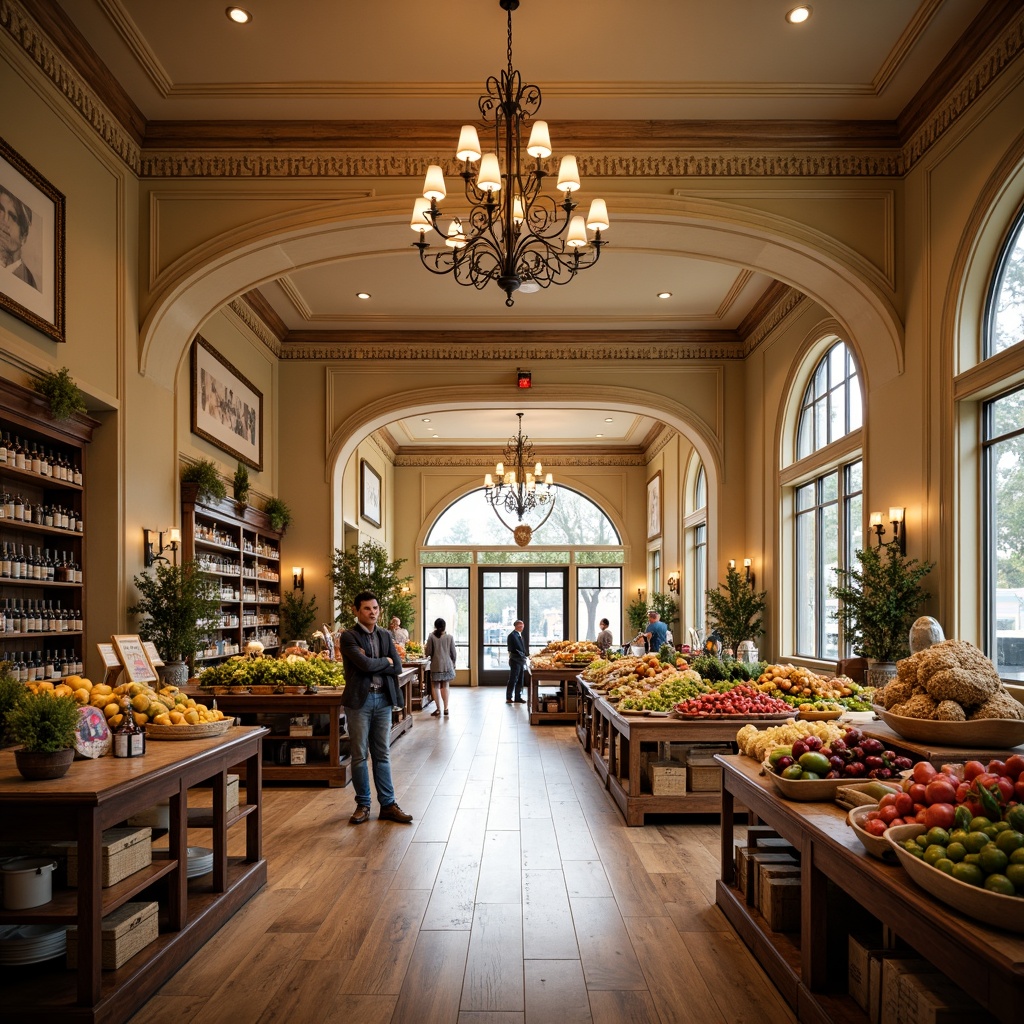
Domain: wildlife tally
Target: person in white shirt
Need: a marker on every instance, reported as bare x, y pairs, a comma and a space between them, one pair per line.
399, 635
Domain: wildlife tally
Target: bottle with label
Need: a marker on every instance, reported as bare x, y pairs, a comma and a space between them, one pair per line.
128, 739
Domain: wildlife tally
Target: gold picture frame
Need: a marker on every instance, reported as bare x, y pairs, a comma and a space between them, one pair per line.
131, 652
654, 506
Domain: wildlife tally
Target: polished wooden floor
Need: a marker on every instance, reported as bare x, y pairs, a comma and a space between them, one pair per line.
517, 895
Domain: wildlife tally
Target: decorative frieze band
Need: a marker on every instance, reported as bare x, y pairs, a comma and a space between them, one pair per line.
497, 351
468, 460
256, 325
787, 305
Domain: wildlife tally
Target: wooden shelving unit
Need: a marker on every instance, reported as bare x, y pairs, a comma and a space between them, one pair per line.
242, 553
50, 622
561, 684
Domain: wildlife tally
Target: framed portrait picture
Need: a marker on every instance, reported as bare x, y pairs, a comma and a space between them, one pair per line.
227, 409
31, 245
369, 493
654, 506
132, 655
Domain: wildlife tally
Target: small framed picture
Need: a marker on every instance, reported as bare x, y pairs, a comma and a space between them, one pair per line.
369, 493
654, 506
31, 245
132, 654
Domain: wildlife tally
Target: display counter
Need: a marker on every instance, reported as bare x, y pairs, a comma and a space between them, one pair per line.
552, 694
96, 795
421, 696
985, 962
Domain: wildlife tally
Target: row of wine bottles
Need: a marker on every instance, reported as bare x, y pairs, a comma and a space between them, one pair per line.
18, 616
39, 666
38, 564
33, 458
56, 517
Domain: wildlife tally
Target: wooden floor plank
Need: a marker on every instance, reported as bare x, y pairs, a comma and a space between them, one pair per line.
501, 874
431, 991
556, 993
454, 894
548, 931
419, 867
605, 948
539, 843
623, 1007
494, 968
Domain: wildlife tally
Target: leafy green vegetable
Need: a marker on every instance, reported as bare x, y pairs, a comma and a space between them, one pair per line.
274, 672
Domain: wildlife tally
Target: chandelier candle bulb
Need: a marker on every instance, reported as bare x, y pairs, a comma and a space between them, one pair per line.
577, 237
538, 470
568, 174
456, 239
420, 219
597, 218
489, 179
540, 141
517, 211
469, 144
433, 184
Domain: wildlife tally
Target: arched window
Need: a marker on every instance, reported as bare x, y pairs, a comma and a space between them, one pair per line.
696, 525
1005, 315
825, 499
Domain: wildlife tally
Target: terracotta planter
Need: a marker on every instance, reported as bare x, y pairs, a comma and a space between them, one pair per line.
34, 764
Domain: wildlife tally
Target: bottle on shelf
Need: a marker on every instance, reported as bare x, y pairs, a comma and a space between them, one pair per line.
128, 739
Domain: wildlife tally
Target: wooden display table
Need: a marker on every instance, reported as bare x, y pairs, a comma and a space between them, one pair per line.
987, 963
565, 681
930, 751
615, 748
421, 695
99, 794
585, 713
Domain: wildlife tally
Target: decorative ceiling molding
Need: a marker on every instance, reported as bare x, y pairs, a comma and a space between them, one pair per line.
255, 324
483, 460
784, 301
260, 307
379, 439
659, 436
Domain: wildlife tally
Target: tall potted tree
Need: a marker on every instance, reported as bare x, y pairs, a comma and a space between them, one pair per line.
878, 602
177, 605
735, 610
370, 568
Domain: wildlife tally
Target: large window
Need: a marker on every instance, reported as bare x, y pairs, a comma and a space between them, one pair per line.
826, 499
446, 596
598, 596
697, 546
1005, 324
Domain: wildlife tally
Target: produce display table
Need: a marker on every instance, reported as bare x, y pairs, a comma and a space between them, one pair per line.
99, 794
929, 751
615, 748
564, 680
986, 962
421, 695
585, 713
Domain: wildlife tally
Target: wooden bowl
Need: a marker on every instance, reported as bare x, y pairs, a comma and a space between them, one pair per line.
984, 733
805, 789
877, 846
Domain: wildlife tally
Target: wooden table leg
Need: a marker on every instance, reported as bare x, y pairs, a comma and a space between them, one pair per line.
220, 831
813, 921
90, 908
253, 789
177, 843
728, 864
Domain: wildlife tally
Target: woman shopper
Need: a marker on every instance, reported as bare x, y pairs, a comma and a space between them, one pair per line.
440, 649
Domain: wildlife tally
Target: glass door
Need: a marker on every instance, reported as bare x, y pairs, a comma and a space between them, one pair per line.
540, 597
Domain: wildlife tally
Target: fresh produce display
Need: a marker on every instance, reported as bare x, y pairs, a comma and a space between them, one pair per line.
566, 652
274, 672
414, 649
718, 670
802, 689
759, 743
850, 755
665, 696
739, 700
950, 681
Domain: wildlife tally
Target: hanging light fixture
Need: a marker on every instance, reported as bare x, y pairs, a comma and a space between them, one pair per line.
517, 490
514, 234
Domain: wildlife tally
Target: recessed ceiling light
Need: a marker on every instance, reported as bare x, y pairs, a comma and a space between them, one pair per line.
239, 15
608, 419
426, 419
799, 15
599, 435
362, 295
664, 295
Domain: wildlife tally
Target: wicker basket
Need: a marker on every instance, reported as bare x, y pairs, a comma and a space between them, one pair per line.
188, 732
125, 932
125, 851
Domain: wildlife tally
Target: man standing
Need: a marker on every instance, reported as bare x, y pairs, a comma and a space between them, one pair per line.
372, 667
657, 632
516, 663
15, 221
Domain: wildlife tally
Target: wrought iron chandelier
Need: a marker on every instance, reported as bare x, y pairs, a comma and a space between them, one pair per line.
518, 491
515, 234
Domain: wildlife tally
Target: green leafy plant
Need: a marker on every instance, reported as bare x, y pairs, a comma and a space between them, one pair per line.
43, 723
279, 514
370, 568
61, 392
880, 600
636, 614
240, 484
177, 605
297, 615
205, 475
663, 604
11, 692
735, 610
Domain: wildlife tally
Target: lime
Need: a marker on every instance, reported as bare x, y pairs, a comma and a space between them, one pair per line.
969, 873
794, 771
1000, 884
1009, 840
958, 835
934, 852
991, 831
911, 847
945, 865
972, 858
979, 823
1015, 873
1000, 826
956, 852
938, 837
922, 840
976, 840
1017, 857
992, 860
809, 776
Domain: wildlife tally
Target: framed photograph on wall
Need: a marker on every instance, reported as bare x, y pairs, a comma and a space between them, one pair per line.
31, 245
654, 506
227, 409
369, 493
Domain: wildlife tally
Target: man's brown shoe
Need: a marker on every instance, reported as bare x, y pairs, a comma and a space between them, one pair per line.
394, 813
360, 817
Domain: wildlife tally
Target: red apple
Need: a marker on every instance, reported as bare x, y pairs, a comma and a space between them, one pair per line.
924, 771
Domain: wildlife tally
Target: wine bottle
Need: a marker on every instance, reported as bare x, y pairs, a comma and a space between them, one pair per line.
129, 739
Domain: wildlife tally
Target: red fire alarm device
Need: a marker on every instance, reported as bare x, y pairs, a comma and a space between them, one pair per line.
524, 379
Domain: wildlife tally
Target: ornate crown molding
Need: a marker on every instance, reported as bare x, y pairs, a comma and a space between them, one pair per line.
256, 325
772, 317
38, 48
479, 460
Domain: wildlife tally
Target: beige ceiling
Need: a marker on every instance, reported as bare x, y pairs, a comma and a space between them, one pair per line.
597, 62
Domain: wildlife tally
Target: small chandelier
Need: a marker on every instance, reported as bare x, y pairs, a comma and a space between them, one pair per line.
517, 490
514, 234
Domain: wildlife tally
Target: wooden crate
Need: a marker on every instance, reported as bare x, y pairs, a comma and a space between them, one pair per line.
702, 778
780, 900
747, 869
125, 851
125, 932
668, 778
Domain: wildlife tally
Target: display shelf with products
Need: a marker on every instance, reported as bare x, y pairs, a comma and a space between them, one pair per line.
42, 536
240, 550
552, 695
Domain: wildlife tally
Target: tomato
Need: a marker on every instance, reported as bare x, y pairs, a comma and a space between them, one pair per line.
924, 771
940, 815
888, 814
904, 803
984, 779
996, 767
917, 792
961, 792
1006, 787
887, 800
940, 791
921, 816
972, 769
1018, 788
1014, 766
876, 827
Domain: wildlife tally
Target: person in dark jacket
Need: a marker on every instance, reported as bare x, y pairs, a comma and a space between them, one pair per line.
372, 667
516, 663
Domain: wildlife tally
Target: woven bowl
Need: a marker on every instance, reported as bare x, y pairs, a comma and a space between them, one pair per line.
188, 732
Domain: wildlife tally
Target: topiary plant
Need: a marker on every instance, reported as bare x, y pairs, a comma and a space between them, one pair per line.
205, 475
279, 514
62, 393
43, 723
297, 615
240, 484
735, 610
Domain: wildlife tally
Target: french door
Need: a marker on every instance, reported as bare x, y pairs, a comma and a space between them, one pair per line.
538, 596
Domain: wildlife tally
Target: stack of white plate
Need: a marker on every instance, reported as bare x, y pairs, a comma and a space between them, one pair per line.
200, 861
31, 943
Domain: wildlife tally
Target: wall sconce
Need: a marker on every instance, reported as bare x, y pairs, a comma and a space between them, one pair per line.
748, 572
298, 578
897, 516
673, 582
640, 593
155, 552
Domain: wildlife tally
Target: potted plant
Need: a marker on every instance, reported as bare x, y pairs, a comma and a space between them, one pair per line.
735, 610
62, 393
297, 616
204, 474
878, 603
177, 603
279, 514
11, 691
369, 568
45, 726
240, 486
